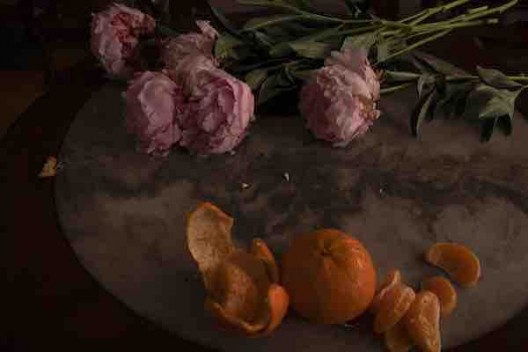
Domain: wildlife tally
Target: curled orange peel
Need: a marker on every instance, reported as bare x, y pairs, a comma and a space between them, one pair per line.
242, 287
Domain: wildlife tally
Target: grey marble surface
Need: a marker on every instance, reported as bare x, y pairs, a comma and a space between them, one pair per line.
124, 213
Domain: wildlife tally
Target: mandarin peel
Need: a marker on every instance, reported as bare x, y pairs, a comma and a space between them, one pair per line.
260, 249
242, 289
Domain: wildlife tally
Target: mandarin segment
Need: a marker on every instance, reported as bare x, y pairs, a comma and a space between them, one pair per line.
260, 249
392, 278
422, 322
445, 292
329, 276
457, 260
397, 339
392, 307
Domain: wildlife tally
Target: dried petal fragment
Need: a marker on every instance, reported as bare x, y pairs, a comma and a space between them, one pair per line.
50, 168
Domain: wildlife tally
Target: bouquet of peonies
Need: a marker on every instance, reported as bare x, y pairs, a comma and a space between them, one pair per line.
199, 89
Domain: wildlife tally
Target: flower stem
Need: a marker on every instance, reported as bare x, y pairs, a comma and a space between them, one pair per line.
299, 11
420, 17
273, 21
413, 46
396, 88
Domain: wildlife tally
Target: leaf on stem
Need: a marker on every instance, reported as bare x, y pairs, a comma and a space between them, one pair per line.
383, 51
362, 41
399, 76
225, 47
431, 64
425, 83
261, 22
255, 78
453, 101
222, 20
423, 110
273, 86
497, 79
311, 50
490, 105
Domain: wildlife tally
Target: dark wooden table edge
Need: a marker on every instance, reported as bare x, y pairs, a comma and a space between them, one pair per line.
52, 301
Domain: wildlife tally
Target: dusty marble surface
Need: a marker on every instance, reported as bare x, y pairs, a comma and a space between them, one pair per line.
124, 213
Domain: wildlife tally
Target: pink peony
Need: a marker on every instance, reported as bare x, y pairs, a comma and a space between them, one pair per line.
182, 47
153, 103
337, 104
356, 60
115, 33
220, 110
187, 71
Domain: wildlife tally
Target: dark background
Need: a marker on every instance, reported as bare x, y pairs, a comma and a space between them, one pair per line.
48, 301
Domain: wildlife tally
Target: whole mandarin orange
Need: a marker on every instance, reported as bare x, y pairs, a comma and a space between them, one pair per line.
329, 276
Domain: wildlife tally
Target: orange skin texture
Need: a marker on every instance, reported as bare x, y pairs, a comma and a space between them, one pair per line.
457, 260
422, 322
329, 276
445, 292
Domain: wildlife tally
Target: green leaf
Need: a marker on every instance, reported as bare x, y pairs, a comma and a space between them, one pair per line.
280, 50
398, 76
491, 105
225, 45
423, 109
488, 102
497, 79
488, 126
311, 50
453, 100
505, 124
264, 39
383, 51
425, 83
261, 22
431, 64
363, 41
255, 78
352, 7
273, 86
223, 21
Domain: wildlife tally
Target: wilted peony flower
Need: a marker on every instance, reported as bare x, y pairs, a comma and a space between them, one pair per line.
180, 48
115, 33
337, 104
356, 60
153, 103
220, 110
